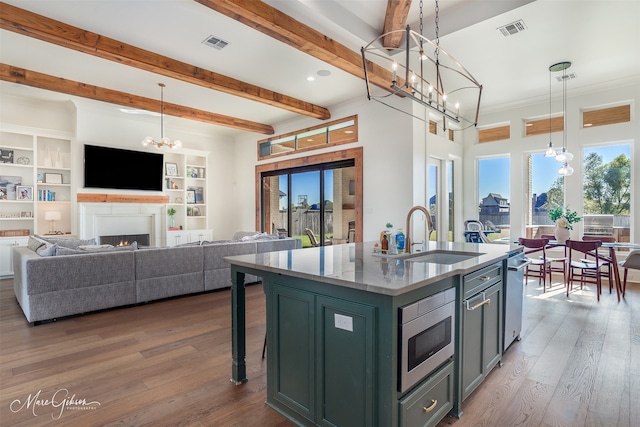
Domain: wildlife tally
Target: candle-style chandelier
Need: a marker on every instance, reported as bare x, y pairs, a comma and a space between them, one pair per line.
437, 80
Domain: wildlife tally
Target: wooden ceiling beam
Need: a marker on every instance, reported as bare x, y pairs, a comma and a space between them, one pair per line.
42, 28
270, 21
395, 19
70, 87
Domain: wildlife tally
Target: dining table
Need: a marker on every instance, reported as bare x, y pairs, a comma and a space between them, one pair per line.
612, 259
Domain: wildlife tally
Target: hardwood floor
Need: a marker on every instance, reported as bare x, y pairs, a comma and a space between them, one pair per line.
168, 364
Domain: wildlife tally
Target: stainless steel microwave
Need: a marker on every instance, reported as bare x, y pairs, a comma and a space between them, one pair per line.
426, 337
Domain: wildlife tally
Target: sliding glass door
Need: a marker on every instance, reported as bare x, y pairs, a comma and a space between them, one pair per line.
314, 203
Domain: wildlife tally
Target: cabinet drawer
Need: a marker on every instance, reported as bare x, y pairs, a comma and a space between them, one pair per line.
430, 402
481, 279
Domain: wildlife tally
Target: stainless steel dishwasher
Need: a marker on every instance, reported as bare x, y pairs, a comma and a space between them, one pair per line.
513, 298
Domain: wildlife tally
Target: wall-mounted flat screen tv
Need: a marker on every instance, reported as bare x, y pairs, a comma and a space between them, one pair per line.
106, 167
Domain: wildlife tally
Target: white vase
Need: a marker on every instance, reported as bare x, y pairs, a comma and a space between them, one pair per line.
562, 234
58, 161
46, 161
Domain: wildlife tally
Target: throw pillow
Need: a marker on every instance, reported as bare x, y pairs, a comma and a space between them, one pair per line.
47, 250
34, 243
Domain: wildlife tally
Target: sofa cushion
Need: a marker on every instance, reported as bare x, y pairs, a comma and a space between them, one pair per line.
68, 242
88, 249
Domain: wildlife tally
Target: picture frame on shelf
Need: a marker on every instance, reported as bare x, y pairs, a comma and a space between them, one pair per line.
171, 169
40, 177
53, 178
6, 156
26, 214
196, 211
191, 196
3, 193
24, 192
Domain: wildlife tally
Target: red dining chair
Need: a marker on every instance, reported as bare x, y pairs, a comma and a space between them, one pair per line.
562, 268
581, 271
606, 273
538, 266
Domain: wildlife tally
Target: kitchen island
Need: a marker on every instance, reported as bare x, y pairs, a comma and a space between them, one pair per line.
333, 337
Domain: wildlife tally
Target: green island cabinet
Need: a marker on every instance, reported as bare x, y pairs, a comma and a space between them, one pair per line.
480, 328
332, 349
332, 357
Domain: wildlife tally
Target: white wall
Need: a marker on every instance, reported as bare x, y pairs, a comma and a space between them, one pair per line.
388, 184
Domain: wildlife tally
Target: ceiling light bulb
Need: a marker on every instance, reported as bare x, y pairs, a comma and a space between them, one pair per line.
550, 151
147, 141
565, 170
310, 78
176, 144
564, 156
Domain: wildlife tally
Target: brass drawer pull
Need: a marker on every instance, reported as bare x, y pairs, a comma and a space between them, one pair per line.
434, 403
485, 278
483, 302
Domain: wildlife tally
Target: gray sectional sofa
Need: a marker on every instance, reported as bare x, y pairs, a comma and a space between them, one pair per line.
80, 280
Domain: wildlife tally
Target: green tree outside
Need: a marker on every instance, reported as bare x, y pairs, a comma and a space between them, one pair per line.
607, 186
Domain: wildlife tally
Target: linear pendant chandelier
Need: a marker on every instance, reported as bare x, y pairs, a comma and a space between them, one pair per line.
164, 141
426, 74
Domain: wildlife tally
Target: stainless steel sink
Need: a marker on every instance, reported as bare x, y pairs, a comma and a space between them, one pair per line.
435, 257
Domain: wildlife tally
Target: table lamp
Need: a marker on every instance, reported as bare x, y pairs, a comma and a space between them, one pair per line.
52, 216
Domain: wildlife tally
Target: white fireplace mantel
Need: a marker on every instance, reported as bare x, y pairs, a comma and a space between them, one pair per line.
103, 219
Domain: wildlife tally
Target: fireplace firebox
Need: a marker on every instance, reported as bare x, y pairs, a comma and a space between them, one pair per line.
125, 239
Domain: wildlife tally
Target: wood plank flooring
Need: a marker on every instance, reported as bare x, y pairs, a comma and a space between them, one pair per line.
168, 363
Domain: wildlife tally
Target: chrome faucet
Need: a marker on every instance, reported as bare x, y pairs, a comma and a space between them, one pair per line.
429, 225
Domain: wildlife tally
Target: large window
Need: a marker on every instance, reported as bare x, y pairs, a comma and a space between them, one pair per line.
494, 190
607, 185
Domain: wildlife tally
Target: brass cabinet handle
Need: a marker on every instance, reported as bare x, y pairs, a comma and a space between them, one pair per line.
481, 303
434, 403
485, 278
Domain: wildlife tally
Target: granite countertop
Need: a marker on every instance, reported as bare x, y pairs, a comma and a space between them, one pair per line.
355, 265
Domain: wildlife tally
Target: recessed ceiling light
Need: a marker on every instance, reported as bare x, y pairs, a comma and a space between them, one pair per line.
310, 78
309, 140
348, 131
588, 124
324, 73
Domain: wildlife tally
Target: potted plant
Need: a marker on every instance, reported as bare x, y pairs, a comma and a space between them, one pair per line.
563, 219
172, 221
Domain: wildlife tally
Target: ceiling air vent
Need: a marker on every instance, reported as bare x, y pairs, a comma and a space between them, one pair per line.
215, 42
513, 28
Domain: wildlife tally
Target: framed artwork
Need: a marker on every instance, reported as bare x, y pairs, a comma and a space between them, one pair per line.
6, 156
24, 192
191, 196
171, 169
26, 214
3, 193
53, 178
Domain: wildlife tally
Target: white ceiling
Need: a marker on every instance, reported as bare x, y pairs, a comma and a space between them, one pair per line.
600, 37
